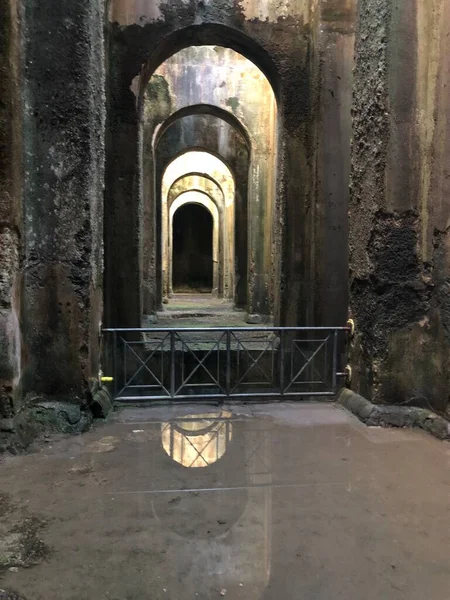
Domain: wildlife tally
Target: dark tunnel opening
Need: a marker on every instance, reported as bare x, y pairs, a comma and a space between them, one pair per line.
192, 249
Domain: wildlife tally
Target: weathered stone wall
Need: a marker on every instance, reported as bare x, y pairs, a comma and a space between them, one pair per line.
63, 140
400, 209
10, 203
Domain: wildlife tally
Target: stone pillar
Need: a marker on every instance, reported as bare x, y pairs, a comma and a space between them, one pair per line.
258, 270
296, 185
63, 133
399, 207
261, 211
10, 204
336, 47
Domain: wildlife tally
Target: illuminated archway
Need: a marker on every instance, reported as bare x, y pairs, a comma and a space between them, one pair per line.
199, 198
226, 140
197, 181
210, 187
217, 170
305, 216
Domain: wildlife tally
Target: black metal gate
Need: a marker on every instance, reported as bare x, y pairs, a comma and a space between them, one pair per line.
221, 362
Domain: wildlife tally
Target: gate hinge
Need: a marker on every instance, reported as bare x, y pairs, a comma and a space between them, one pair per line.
348, 374
351, 326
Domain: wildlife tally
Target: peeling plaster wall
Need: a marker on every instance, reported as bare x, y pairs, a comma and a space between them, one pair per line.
127, 12
10, 204
399, 212
274, 10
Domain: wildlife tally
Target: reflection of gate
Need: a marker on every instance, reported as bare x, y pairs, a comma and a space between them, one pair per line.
221, 362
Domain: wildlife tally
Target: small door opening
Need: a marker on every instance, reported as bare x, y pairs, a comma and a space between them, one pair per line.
192, 266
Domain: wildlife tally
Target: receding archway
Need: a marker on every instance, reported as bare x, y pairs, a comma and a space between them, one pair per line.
236, 94
192, 247
302, 212
227, 141
210, 191
217, 170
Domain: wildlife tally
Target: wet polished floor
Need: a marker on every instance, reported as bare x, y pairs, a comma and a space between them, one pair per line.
262, 502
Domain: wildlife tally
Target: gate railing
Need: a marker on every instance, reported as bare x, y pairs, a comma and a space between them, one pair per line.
225, 362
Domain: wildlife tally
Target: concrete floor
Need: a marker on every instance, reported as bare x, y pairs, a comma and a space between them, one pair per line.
198, 310
204, 303
264, 502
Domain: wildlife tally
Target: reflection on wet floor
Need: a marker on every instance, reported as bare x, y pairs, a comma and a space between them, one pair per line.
198, 441
223, 511
272, 502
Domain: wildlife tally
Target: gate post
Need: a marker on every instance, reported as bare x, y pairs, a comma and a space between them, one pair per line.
334, 374
172, 364
282, 362
228, 368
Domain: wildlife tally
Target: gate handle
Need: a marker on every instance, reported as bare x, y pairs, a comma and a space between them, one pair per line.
103, 378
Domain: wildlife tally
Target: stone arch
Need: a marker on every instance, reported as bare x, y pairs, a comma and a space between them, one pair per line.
207, 185
209, 34
196, 197
203, 109
189, 161
199, 181
234, 86
292, 69
210, 133
221, 174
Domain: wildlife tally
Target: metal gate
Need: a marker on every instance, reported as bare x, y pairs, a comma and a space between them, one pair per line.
221, 362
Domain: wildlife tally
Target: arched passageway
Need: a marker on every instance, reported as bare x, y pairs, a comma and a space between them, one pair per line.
289, 272
192, 259
219, 133
208, 192
221, 85
220, 201
196, 198
230, 101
